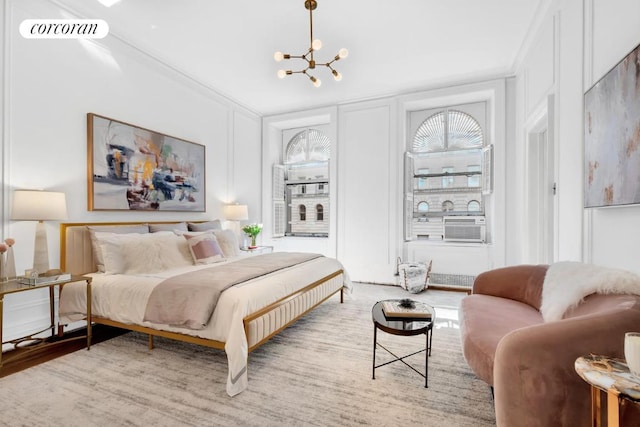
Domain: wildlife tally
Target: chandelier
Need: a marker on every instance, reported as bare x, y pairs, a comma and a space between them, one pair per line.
316, 44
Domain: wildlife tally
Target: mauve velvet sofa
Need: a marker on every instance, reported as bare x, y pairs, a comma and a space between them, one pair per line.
530, 363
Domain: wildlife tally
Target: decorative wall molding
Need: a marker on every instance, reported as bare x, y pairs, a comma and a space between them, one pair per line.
5, 35
587, 79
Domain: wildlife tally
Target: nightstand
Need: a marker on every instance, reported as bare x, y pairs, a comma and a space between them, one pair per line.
258, 250
14, 286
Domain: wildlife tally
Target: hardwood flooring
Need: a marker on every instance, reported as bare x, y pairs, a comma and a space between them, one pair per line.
23, 358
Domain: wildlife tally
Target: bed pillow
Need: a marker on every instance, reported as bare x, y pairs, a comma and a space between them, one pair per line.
228, 241
117, 229
142, 253
205, 226
204, 248
182, 226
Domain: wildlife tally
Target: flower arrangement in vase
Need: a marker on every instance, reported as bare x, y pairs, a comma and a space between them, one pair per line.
252, 230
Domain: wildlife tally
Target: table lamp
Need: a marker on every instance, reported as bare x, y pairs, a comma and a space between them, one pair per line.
36, 205
236, 213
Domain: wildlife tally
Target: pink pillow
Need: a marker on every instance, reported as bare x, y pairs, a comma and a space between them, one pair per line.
204, 248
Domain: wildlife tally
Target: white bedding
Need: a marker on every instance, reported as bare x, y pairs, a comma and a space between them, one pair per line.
123, 298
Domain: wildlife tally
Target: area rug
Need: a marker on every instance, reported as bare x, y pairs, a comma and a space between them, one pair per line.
317, 372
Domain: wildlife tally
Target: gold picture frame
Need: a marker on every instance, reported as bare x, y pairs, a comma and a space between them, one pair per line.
130, 168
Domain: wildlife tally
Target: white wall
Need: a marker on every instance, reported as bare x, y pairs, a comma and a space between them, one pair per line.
367, 183
576, 43
51, 86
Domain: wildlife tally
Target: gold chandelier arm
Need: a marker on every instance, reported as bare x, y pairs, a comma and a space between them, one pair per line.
311, 7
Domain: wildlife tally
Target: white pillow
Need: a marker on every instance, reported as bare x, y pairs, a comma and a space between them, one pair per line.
119, 229
228, 242
204, 248
142, 253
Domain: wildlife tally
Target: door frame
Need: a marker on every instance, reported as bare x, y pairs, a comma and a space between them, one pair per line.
541, 210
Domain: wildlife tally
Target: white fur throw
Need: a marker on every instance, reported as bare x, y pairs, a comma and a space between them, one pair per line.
567, 283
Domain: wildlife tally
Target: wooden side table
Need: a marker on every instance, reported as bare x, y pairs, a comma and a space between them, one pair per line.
613, 377
13, 286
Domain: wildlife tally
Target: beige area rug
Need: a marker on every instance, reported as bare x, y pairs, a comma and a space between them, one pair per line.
315, 373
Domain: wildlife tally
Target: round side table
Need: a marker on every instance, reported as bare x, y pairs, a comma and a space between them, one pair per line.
403, 327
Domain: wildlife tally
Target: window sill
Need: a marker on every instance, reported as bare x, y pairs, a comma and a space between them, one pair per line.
450, 243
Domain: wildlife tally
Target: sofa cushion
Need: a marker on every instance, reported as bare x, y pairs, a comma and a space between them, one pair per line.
598, 304
520, 283
487, 319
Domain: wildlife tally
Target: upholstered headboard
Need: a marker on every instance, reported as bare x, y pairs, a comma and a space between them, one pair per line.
76, 253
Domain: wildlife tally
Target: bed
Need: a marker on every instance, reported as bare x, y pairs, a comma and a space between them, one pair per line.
246, 315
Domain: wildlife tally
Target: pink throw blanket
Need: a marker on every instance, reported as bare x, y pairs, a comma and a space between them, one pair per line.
188, 300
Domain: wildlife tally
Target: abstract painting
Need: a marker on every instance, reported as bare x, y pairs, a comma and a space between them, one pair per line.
612, 136
132, 168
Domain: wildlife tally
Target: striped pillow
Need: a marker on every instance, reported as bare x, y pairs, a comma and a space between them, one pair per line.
204, 248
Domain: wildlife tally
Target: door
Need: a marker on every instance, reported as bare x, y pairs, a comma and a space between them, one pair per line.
541, 189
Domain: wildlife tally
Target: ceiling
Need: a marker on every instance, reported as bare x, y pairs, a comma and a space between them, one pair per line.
395, 46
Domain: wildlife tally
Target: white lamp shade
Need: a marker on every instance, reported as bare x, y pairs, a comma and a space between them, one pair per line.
35, 205
236, 212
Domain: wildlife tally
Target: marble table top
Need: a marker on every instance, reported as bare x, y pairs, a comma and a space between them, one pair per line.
609, 374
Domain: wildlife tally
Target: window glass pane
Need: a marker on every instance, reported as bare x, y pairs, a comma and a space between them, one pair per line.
308, 145
473, 180
319, 145
296, 149
430, 135
447, 181
464, 131
423, 207
473, 206
303, 212
422, 182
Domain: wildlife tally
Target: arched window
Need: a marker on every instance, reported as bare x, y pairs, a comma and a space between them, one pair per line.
445, 164
448, 130
302, 179
309, 145
423, 207
319, 212
447, 206
473, 206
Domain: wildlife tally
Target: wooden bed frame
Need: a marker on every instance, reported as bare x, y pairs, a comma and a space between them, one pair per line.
76, 257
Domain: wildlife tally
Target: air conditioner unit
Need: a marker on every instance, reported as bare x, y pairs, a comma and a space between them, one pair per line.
464, 228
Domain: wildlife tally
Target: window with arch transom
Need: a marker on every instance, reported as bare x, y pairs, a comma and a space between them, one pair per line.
445, 163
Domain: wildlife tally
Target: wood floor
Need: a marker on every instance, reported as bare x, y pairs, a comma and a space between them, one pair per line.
22, 358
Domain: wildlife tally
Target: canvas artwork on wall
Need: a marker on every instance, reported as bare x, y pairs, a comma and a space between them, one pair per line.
132, 168
612, 136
